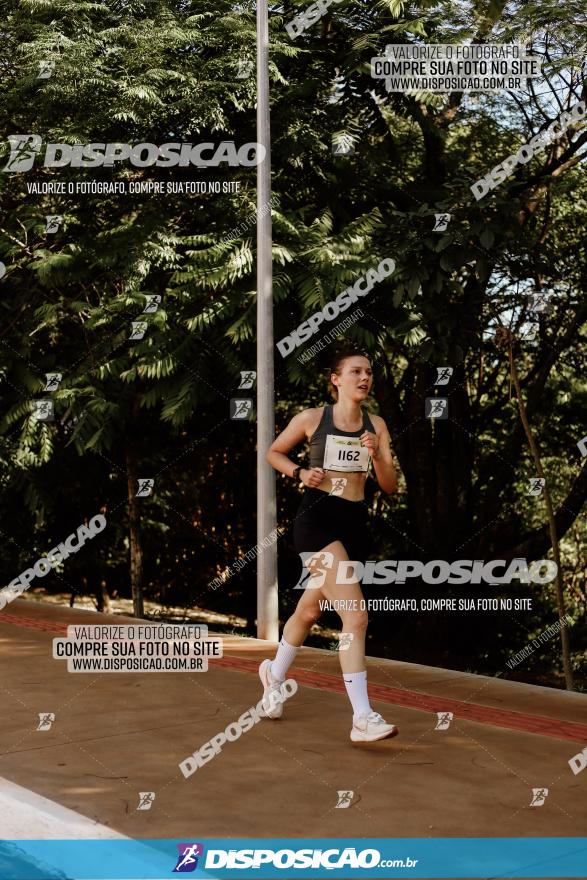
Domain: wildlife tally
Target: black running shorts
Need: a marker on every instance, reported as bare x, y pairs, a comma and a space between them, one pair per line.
323, 518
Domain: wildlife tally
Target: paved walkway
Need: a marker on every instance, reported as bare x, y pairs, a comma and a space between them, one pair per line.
119, 734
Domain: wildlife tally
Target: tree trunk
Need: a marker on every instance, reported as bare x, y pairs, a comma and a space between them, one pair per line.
418, 466
102, 597
134, 520
453, 461
560, 596
436, 458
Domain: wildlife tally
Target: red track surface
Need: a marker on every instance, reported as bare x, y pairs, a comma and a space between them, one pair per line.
504, 718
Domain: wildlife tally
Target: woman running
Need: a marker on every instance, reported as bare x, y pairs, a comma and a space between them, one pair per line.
331, 525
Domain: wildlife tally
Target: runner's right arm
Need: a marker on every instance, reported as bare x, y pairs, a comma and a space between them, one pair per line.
295, 433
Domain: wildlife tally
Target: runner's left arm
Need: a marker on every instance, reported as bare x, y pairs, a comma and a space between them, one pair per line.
379, 446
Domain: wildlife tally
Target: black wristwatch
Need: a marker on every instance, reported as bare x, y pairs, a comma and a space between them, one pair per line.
297, 471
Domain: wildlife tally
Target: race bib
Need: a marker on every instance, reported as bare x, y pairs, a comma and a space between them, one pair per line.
345, 454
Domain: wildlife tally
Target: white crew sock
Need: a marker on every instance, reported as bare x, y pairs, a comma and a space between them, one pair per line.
356, 687
285, 656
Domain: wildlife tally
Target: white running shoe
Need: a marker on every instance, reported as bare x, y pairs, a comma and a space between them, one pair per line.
371, 727
272, 695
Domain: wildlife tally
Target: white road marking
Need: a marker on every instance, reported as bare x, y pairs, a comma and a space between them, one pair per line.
25, 815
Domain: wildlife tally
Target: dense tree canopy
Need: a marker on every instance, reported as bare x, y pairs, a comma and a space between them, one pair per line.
160, 71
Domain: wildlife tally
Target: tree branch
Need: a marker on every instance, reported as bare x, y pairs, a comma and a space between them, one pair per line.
534, 544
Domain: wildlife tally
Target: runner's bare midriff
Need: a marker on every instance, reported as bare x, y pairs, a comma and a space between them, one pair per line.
353, 489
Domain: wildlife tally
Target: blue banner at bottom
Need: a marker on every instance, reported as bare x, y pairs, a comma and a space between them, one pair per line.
415, 857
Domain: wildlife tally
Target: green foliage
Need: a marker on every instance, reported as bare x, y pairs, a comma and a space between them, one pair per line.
156, 71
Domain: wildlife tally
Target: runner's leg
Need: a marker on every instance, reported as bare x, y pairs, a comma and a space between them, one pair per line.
368, 725
295, 632
347, 599
273, 673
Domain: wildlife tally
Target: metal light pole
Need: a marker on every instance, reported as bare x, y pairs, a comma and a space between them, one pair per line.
267, 606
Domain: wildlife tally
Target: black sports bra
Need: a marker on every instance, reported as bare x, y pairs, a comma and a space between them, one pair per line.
327, 426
